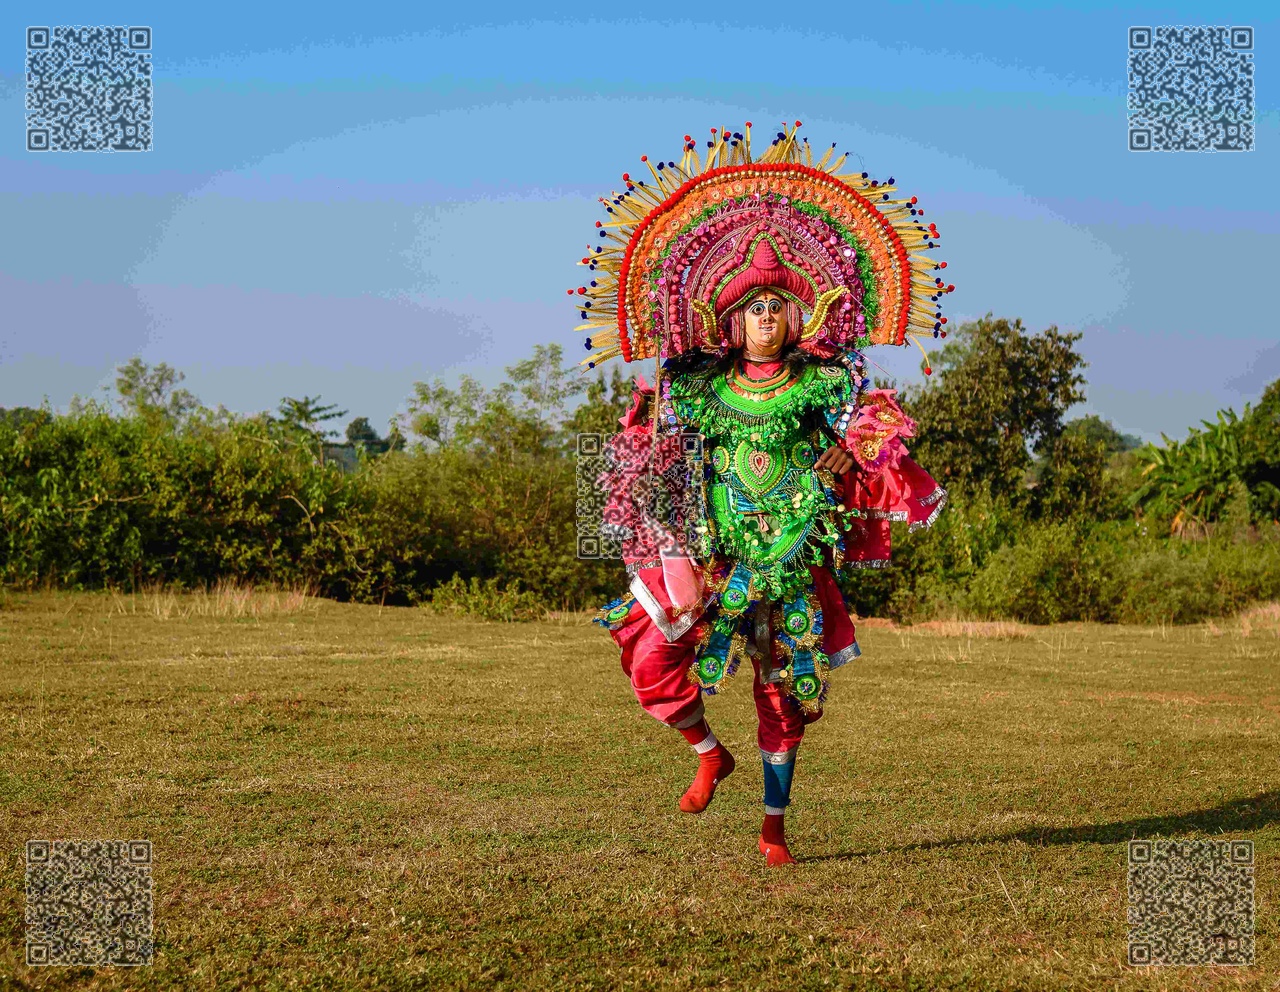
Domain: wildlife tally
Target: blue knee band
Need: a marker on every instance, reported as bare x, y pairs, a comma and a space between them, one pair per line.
777, 783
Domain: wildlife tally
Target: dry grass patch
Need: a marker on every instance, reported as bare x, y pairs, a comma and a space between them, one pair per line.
952, 628
973, 628
1260, 620
225, 599
1263, 620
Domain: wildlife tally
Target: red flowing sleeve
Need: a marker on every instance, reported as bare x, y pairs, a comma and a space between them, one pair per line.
886, 483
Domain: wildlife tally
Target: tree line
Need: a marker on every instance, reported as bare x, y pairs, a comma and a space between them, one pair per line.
469, 500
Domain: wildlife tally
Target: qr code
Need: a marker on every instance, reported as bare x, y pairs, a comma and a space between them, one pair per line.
1190, 89
1191, 902
629, 505
89, 902
88, 89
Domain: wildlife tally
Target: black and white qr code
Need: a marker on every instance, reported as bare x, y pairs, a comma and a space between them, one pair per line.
621, 507
89, 902
88, 89
1191, 902
1191, 89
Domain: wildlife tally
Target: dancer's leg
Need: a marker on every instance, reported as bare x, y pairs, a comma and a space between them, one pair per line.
781, 730
715, 764
657, 669
777, 796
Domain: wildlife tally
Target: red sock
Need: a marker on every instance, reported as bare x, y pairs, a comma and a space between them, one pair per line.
715, 764
696, 734
773, 841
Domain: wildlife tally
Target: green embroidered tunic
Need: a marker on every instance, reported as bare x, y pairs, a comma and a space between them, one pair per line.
770, 513
768, 509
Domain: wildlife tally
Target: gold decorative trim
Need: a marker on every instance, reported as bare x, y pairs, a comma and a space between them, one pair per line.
820, 308
703, 309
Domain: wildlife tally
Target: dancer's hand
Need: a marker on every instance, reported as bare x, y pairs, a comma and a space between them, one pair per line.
836, 460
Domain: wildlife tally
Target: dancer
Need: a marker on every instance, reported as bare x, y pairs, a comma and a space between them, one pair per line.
771, 467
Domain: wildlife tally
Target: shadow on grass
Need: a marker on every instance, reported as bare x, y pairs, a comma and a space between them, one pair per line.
1232, 818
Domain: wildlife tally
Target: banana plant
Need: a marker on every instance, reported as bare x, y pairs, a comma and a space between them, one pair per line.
1191, 481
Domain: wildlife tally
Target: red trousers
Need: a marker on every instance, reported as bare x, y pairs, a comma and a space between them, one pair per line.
657, 669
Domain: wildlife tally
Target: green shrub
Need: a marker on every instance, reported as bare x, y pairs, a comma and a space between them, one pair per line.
487, 600
483, 511
931, 566
432, 515
1111, 572
90, 500
1186, 582
1055, 572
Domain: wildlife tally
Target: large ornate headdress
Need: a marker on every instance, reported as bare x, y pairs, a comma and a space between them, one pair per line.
678, 254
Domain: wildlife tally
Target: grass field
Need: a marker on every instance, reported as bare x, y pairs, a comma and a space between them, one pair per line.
345, 796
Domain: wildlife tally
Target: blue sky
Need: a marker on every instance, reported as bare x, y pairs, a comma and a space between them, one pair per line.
348, 201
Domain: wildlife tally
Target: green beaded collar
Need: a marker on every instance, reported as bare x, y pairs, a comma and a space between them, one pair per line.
705, 400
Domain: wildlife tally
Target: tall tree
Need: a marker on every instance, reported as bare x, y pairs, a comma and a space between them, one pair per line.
1084, 471
997, 394
302, 420
150, 392
1093, 428
523, 414
395, 440
1260, 439
1073, 480
604, 404
361, 435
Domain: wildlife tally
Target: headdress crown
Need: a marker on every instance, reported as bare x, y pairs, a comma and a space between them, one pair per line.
685, 250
